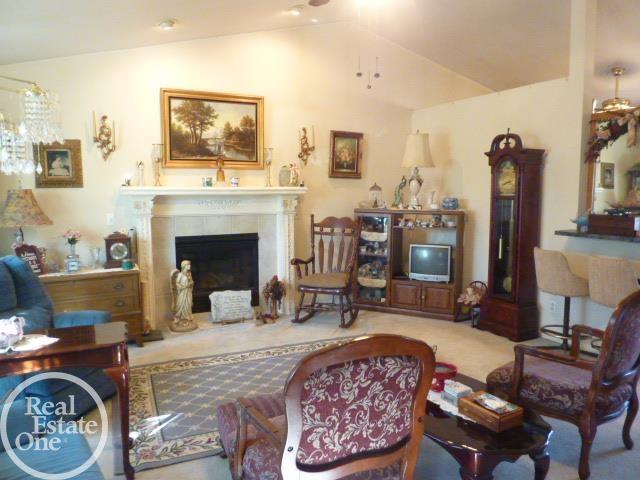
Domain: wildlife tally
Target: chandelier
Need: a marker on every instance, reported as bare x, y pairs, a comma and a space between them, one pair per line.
616, 103
40, 123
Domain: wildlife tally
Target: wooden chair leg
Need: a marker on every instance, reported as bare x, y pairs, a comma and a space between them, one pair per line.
353, 312
632, 411
588, 433
342, 322
299, 309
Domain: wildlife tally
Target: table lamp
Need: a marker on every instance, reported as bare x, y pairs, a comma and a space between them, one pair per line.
21, 210
416, 154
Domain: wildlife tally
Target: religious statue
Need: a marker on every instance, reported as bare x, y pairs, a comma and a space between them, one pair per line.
182, 299
397, 199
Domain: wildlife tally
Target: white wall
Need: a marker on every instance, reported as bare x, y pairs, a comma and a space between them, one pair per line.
307, 77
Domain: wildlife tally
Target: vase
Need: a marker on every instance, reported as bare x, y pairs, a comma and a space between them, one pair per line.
72, 262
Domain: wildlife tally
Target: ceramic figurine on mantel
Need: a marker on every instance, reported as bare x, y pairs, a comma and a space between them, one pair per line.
397, 198
156, 159
220, 173
140, 170
182, 299
268, 160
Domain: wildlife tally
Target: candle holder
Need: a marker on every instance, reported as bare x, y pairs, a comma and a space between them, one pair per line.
306, 148
104, 136
268, 160
156, 159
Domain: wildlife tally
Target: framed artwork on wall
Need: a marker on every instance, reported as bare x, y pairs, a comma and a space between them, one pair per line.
61, 164
607, 175
201, 128
346, 154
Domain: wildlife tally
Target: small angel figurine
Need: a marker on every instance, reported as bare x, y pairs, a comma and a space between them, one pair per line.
182, 299
397, 200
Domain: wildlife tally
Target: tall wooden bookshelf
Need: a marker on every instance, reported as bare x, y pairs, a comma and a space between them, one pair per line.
382, 283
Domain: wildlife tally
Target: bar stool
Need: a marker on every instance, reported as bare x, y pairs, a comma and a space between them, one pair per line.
610, 281
555, 277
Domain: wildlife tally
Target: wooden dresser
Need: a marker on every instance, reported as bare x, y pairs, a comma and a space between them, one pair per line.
114, 290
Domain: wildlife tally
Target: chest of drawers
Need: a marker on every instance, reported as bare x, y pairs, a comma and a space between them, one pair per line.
115, 290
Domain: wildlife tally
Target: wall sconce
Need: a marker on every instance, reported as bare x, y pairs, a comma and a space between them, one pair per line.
306, 148
104, 136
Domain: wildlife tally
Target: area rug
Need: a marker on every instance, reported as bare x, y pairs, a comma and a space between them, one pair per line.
173, 404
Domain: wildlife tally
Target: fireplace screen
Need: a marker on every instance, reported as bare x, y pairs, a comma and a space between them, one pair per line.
220, 262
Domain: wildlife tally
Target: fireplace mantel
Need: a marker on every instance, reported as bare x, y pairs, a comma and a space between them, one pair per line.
275, 205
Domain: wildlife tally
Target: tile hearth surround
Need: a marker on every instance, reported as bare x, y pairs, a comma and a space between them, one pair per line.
162, 213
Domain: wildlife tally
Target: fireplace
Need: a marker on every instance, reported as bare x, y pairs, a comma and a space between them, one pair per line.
220, 262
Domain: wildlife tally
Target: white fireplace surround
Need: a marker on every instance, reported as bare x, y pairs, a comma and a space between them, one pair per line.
162, 213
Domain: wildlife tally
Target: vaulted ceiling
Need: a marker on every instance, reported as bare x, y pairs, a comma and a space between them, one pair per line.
498, 43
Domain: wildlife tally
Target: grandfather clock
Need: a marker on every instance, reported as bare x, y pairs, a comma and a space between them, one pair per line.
510, 308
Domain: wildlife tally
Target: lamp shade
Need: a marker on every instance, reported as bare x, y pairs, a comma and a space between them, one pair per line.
21, 209
417, 152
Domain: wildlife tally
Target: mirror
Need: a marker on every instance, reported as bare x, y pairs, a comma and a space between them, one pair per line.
614, 181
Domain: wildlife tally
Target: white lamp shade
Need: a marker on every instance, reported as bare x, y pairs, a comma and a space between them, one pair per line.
417, 152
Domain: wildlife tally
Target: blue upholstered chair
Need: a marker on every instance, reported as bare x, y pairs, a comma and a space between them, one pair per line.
22, 294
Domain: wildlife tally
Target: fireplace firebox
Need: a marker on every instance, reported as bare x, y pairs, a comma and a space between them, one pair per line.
220, 262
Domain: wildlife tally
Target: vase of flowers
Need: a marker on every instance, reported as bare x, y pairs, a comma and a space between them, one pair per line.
72, 262
274, 291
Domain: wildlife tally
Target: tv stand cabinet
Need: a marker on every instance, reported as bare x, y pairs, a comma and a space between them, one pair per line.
381, 282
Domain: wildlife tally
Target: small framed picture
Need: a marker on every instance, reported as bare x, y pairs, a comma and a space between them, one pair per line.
61, 165
346, 154
607, 175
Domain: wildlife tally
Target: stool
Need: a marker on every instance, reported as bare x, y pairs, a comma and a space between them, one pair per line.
610, 281
555, 277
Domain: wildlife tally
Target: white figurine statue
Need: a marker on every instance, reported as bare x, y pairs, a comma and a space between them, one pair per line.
182, 299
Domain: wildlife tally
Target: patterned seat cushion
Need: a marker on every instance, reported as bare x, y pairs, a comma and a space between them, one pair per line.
262, 462
557, 387
324, 280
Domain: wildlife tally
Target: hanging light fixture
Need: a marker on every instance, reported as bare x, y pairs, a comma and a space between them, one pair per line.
616, 103
40, 124
376, 74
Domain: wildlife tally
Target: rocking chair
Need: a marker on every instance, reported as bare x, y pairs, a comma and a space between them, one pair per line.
331, 271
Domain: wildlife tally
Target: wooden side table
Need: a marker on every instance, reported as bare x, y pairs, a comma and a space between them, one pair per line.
100, 346
114, 290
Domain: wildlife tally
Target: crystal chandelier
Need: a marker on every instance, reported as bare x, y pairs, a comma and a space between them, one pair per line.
40, 124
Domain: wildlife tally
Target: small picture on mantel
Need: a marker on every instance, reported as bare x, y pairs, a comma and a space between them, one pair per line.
346, 154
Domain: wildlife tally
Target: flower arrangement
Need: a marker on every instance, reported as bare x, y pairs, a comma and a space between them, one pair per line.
72, 236
274, 291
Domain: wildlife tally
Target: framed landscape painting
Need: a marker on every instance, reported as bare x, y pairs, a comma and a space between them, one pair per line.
346, 154
200, 129
61, 164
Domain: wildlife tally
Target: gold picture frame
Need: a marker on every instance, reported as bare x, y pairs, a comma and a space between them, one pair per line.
61, 164
201, 128
346, 154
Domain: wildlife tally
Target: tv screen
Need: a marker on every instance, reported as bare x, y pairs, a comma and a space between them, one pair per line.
430, 262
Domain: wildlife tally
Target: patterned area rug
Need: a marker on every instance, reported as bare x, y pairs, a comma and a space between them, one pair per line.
173, 404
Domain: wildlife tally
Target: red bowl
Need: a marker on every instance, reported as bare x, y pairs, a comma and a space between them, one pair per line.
443, 371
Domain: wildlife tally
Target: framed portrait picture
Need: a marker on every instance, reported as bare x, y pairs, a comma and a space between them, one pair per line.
607, 175
200, 129
61, 165
346, 154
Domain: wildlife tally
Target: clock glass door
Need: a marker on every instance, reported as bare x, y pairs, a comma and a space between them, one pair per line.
504, 231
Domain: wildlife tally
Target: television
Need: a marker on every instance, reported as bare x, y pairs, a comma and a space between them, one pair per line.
431, 263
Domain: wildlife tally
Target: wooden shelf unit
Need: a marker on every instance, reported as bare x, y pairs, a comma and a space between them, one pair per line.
401, 294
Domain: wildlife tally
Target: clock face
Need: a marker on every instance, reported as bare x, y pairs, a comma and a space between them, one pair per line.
506, 178
119, 251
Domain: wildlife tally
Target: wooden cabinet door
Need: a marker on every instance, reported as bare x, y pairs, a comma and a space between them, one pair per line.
434, 298
405, 294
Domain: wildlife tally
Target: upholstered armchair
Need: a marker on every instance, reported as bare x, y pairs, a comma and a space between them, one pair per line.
354, 411
584, 392
329, 269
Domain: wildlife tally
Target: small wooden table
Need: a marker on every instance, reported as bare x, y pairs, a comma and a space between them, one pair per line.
100, 346
478, 450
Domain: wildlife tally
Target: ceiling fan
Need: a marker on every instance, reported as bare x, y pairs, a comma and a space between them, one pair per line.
318, 3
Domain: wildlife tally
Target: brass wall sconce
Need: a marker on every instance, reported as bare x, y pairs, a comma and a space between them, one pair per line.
104, 136
306, 148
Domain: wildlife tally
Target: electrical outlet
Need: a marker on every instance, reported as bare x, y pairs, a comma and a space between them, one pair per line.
553, 306
110, 219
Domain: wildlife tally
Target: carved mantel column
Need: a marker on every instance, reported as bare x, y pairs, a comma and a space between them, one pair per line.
286, 239
143, 213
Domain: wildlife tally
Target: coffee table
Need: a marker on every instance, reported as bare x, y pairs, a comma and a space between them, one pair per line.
99, 346
478, 450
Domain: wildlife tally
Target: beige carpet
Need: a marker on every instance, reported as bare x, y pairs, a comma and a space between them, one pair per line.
476, 353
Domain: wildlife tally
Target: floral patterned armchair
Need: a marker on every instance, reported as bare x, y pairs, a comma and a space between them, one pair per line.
570, 388
353, 411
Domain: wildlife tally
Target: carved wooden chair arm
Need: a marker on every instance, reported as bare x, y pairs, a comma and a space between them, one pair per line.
578, 331
250, 414
522, 350
298, 262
